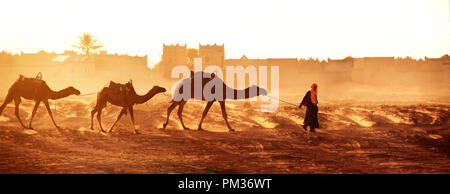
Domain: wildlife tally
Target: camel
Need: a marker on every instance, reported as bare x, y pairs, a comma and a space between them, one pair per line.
182, 102
124, 96
34, 89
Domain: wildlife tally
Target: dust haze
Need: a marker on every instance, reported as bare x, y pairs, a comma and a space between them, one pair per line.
374, 118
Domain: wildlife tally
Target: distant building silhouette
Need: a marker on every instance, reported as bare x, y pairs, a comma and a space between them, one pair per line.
212, 55
245, 62
176, 55
173, 55
363, 70
71, 65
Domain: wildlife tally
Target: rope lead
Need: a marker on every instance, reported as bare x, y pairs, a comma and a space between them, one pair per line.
281, 100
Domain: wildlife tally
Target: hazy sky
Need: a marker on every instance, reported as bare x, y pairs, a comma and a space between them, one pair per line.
258, 29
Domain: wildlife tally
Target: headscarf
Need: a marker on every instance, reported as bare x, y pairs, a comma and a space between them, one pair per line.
314, 93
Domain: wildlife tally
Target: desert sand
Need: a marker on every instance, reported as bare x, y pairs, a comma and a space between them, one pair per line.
369, 138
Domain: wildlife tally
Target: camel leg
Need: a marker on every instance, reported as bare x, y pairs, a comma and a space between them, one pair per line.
130, 109
169, 110
8, 99
101, 103
92, 117
17, 101
123, 111
99, 118
208, 106
50, 113
36, 105
224, 114
180, 114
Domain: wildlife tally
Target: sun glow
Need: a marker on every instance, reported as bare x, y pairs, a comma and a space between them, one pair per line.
258, 29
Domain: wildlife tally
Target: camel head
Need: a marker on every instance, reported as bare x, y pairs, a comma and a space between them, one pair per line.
159, 89
72, 90
260, 91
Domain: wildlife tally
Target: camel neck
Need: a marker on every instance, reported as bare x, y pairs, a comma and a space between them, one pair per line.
59, 94
242, 94
147, 96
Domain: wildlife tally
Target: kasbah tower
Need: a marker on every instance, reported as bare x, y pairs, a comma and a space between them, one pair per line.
176, 55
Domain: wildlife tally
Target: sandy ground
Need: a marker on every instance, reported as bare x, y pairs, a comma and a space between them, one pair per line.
352, 139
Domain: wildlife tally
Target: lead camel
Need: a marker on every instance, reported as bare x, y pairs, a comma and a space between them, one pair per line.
245, 93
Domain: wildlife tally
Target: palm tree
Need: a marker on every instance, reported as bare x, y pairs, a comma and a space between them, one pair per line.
88, 43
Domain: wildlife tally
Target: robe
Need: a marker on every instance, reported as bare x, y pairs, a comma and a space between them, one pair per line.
311, 111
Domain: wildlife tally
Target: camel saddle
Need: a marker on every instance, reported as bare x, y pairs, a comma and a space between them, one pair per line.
38, 79
121, 88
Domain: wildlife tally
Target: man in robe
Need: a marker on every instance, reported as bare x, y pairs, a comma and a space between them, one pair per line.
310, 101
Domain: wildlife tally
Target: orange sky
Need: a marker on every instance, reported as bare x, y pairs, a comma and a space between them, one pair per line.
258, 29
